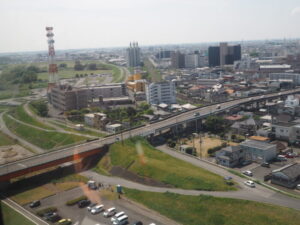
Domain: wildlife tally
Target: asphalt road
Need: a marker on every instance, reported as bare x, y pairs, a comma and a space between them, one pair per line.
259, 194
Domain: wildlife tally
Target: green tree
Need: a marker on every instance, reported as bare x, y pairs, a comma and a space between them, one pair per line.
78, 66
215, 124
92, 66
41, 107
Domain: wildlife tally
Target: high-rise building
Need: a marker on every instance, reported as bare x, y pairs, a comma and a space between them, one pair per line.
191, 60
161, 92
177, 60
214, 56
224, 54
133, 55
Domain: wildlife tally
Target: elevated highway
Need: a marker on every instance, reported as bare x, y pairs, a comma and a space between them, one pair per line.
74, 153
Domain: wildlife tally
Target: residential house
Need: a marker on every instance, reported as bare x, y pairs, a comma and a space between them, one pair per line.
246, 127
287, 176
230, 156
287, 131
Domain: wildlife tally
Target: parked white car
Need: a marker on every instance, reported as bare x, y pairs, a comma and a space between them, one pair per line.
249, 183
97, 209
109, 212
119, 214
248, 173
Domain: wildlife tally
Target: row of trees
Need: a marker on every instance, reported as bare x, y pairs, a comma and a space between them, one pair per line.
90, 66
21, 74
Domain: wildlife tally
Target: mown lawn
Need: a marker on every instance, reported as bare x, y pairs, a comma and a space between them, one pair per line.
86, 131
138, 156
208, 210
20, 114
5, 140
44, 139
12, 217
24, 196
32, 194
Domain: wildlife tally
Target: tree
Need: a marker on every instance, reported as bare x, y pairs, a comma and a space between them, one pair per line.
215, 124
33, 68
41, 107
29, 76
78, 66
92, 66
63, 65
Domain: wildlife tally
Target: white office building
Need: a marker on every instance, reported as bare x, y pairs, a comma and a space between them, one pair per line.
191, 60
161, 92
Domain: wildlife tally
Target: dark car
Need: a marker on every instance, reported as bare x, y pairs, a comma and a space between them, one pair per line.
137, 223
84, 203
265, 164
35, 204
52, 217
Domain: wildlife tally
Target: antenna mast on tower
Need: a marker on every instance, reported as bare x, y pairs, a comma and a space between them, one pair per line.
53, 76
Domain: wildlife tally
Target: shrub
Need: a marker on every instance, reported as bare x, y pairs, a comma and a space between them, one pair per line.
41, 212
75, 200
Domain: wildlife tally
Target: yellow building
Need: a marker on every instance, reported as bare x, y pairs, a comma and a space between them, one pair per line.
135, 83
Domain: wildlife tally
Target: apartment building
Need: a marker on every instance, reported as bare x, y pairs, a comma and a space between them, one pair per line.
161, 92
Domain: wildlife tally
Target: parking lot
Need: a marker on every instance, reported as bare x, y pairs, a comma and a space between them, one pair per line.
83, 216
259, 172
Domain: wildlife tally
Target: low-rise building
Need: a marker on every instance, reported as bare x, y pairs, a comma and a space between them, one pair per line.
249, 150
246, 127
259, 151
113, 128
230, 156
287, 176
97, 120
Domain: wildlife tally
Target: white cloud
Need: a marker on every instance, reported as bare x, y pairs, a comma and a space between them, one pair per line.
295, 11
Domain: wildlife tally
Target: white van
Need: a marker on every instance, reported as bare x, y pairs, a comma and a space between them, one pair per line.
119, 214
121, 220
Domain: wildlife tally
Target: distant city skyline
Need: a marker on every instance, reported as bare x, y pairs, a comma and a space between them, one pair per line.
111, 23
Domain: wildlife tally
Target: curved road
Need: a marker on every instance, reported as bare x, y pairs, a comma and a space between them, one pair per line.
259, 194
5, 130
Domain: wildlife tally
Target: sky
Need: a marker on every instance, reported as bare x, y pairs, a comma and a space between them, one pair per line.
113, 23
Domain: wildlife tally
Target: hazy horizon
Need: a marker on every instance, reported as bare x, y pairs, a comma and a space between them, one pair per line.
115, 23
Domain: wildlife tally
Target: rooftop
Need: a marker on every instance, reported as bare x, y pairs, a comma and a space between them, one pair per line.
285, 124
291, 170
259, 138
257, 144
232, 148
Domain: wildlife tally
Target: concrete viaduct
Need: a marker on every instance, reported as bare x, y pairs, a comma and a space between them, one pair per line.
78, 152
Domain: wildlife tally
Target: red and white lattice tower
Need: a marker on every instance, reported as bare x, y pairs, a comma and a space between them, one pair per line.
53, 76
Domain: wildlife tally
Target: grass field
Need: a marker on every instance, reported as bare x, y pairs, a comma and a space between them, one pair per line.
208, 210
5, 140
138, 156
20, 114
32, 194
12, 217
86, 131
22, 196
43, 139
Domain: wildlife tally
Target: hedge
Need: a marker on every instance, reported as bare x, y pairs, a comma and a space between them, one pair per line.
75, 200
41, 212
